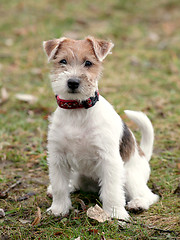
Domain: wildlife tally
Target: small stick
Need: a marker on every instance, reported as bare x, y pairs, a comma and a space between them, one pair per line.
11, 187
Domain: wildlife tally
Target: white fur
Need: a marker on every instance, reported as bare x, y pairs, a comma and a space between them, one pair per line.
146, 129
86, 142
83, 146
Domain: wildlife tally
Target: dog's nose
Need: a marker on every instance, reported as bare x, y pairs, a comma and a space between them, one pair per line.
73, 83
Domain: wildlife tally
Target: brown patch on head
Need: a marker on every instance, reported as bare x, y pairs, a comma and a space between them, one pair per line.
76, 59
89, 47
51, 46
101, 47
127, 145
76, 53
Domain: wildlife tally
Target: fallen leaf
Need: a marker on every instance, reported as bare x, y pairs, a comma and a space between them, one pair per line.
178, 165
26, 98
154, 37
9, 42
58, 233
23, 221
2, 213
98, 214
3, 144
37, 218
4, 96
77, 238
94, 231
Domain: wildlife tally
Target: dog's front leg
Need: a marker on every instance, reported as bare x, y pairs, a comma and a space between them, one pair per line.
112, 187
59, 178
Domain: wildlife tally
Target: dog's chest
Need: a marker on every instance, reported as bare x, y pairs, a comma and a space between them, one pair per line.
78, 141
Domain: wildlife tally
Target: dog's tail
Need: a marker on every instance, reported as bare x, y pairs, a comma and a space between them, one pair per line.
146, 129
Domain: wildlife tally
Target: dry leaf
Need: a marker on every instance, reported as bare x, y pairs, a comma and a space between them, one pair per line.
98, 214
3, 144
58, 233
9, 42
26, 98
178, 166
24, 221
2, 213
4, 96
37, 218
154, 37
94, 231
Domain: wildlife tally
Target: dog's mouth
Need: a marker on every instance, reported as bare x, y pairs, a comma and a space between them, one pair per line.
74, 91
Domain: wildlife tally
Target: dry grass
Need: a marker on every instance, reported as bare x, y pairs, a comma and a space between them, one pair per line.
142, 74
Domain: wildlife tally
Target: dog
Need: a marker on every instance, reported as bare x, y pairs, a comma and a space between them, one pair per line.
88, 143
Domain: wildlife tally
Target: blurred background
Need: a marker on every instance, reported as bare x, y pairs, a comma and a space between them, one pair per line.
142, 74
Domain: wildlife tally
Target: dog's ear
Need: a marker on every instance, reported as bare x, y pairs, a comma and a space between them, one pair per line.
101, 47
51, 47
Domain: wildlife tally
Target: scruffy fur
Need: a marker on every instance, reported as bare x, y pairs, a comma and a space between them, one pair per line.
88, 147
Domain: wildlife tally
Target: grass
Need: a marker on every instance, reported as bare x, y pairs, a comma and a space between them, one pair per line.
142, 74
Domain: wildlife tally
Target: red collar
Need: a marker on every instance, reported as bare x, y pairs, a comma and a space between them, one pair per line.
73, 104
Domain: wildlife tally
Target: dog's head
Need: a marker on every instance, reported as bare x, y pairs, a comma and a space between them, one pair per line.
77, 65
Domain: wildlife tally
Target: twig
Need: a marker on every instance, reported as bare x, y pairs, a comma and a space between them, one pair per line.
4, 193
149, 227
83, 205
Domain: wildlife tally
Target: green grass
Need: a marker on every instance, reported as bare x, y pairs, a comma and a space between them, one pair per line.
142, 74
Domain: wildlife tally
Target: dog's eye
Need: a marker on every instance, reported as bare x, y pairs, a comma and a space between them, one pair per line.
88, 64
63, 61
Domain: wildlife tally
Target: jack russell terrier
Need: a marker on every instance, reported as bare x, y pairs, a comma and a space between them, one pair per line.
88, 143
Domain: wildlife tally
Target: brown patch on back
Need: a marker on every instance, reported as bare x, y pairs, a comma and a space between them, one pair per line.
127, 145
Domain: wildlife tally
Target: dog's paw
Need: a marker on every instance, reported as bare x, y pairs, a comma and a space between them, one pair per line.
140, 204
120, 213
59, 209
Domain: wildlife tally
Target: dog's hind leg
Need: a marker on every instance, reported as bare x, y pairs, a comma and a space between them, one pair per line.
137, 168
138, 194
